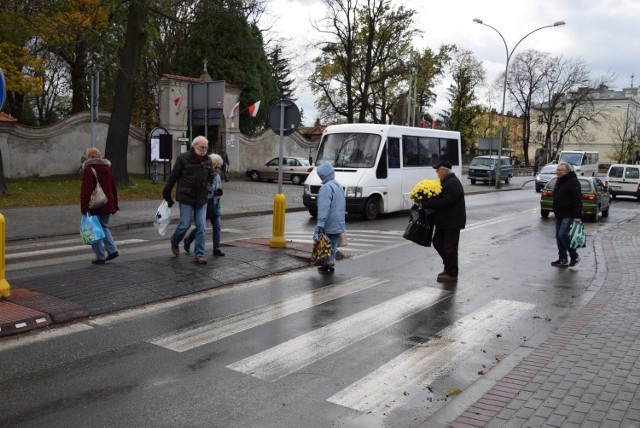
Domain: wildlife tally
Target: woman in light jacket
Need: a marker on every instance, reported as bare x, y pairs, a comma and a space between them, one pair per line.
104, 249
331, 212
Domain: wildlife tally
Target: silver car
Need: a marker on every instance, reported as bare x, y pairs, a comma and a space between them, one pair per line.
295, 170
545, 174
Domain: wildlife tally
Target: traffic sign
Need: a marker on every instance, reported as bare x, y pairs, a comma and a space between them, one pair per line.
3, 89
291, 117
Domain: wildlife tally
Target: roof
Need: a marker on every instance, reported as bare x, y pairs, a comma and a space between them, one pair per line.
4, 117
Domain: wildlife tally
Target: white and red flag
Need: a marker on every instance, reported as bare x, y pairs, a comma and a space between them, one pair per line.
253, 109
234, 110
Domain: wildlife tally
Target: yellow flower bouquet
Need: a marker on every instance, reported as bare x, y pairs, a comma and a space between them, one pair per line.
425, 189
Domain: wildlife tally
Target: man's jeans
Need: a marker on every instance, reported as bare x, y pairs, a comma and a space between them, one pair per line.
562, 238
187, 212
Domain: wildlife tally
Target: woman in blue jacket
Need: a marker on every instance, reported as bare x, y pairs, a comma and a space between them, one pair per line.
331, 212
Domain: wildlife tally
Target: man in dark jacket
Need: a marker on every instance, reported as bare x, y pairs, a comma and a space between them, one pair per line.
567, 208
192, 171
449, 217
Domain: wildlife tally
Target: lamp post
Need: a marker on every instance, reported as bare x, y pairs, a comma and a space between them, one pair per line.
504, 87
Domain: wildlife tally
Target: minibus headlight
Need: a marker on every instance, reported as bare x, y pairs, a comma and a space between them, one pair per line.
307, 189
354, 192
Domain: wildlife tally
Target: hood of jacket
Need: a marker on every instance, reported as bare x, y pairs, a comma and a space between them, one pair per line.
325, 172
95, 162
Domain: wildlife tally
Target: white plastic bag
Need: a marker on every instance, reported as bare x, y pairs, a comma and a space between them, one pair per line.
163, 218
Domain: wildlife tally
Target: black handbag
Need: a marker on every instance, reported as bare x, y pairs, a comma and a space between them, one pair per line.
212, 212
420, 227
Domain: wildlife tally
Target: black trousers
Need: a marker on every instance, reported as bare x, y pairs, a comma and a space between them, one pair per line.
445, 241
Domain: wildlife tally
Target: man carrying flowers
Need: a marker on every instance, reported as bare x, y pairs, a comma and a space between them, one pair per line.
449, 217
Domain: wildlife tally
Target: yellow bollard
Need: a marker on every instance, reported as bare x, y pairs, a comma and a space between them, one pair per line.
277, 232
4, 285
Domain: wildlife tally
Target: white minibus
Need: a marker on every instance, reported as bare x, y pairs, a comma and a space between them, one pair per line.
378, 165
584, 162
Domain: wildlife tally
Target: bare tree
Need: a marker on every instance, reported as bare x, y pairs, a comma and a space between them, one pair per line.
526, 77
566, 101
623, 135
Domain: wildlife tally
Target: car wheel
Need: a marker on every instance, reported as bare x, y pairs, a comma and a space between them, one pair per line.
506, 180
544, 213
473, 181
605, 213
295, 179
371, 209
313, 213
255, 176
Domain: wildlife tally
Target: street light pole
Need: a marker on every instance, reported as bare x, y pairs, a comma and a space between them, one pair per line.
504, 87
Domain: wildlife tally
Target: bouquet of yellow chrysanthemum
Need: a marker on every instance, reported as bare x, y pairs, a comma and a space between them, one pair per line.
424, 190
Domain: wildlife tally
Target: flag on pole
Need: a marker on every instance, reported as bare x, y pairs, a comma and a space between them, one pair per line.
177, 101
234, 110
253, 109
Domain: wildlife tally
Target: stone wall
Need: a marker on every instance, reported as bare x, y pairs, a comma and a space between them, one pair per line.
56, 149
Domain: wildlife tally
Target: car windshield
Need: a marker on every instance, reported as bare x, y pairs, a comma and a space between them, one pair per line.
585, 185
548, 169
482, 162
304, 162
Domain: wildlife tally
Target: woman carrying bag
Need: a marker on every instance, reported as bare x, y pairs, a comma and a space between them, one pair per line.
96, 170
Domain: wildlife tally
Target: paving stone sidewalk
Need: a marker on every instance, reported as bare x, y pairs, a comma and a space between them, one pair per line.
587, 373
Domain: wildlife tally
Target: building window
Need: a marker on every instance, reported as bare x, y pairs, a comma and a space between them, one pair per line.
556, 120
539, 137
555, 137
540, 120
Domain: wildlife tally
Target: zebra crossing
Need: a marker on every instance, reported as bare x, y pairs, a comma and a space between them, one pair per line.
384, 388
360, 242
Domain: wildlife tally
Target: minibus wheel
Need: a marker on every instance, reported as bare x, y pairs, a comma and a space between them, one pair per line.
371, 209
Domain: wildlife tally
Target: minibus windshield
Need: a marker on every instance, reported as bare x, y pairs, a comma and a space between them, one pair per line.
572, 158
350, 150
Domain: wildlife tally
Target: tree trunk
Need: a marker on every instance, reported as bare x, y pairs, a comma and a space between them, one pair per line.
118, 134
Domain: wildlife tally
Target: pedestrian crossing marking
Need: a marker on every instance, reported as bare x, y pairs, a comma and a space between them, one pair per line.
34, 253
190, 338
383, 389
279, 361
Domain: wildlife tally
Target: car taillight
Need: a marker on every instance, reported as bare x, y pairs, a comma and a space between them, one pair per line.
589, 197
310, 169
547, 193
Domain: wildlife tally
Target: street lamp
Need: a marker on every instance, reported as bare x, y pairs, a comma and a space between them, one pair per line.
504, 88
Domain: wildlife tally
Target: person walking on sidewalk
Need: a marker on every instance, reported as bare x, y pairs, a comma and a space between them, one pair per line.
449, 217
213, 209
96, 168
225, 163
191, 172
567, 208
331, 212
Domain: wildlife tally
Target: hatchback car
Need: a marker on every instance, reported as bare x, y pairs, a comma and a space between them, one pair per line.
295, 170
595, 198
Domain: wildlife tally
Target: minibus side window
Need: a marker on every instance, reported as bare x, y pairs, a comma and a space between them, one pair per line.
449, 151
394, 152
410, 155
381, 170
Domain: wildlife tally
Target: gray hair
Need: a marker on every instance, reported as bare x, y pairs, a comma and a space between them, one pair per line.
216, 160
198, 138
567, 166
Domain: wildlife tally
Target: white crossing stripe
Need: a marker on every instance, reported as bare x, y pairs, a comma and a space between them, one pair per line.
190, 338
279, 361
382, 390
59, 250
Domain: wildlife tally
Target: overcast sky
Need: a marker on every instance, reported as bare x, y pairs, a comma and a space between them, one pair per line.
604, 33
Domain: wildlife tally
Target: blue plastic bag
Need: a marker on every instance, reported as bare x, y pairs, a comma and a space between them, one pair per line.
577, 235
90, 229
